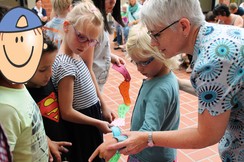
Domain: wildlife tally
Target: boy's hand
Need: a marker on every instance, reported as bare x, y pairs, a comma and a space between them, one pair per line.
103, 152
56, 149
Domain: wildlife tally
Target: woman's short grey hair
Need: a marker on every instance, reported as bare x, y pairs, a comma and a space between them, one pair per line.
159, 13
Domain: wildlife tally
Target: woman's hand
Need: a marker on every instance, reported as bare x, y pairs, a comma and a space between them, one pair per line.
136, 142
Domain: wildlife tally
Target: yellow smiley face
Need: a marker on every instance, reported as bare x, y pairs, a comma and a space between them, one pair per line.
20, 53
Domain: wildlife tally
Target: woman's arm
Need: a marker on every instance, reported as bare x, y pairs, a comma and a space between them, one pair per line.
209, 131
238, 21
65, 98
44, 13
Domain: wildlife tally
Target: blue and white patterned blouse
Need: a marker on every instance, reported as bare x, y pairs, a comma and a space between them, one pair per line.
218, 76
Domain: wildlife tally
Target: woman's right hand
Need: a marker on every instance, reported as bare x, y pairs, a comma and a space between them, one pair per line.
136, 142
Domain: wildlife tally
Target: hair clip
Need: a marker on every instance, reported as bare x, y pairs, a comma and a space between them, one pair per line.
45, 46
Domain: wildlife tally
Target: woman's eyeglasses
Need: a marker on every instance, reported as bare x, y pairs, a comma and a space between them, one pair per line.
154, 36
143, 63
82, 38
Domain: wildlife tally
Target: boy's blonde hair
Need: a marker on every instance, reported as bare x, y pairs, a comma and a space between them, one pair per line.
139, 45
84, 13
59, 6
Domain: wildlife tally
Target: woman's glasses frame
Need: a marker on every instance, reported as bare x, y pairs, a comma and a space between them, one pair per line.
155, 36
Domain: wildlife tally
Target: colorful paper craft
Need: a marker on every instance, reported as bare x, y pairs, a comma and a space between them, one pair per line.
115, 158
123, 109
123, 71
119, 122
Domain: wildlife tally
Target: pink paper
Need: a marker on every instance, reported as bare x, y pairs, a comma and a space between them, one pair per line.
119, 122
123, 71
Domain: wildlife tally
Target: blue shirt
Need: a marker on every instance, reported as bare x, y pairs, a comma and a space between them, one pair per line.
157, 109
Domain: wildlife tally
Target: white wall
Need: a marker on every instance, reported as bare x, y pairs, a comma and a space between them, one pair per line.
31, 3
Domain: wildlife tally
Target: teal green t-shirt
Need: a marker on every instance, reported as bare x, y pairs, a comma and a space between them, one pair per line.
157, 109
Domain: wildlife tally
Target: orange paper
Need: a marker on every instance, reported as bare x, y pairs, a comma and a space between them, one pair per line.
124, 91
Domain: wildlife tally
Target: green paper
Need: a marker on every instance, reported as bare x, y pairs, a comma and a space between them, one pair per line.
115, 158
123, 109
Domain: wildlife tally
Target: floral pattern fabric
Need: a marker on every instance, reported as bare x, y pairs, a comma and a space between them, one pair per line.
218, 76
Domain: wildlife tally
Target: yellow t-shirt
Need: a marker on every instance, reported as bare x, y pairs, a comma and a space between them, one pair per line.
23, 125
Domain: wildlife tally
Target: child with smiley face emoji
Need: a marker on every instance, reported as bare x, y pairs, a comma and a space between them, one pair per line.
21, 47
20, 44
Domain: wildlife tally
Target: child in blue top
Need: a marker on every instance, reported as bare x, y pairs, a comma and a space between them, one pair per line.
78, 100
157, 104
54, 27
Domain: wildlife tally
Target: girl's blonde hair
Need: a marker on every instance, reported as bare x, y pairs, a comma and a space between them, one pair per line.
139, 45
84, 13
59, 6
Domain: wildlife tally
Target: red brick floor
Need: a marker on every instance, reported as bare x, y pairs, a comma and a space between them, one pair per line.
188, 108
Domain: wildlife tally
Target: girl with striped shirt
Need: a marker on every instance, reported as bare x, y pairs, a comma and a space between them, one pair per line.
78, 100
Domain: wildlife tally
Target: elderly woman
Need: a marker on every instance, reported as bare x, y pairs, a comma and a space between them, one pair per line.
178, 26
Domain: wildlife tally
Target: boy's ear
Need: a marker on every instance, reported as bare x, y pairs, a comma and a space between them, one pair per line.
66, 25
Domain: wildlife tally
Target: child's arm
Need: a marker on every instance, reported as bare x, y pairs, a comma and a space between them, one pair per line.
117, 60
65, 98
102, 150
87, 57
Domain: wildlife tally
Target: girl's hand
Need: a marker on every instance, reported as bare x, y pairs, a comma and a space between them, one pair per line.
108, 114
136, 142
117, 60
104, 126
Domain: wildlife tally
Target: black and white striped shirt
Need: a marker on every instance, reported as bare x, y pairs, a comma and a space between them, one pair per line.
84, 94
